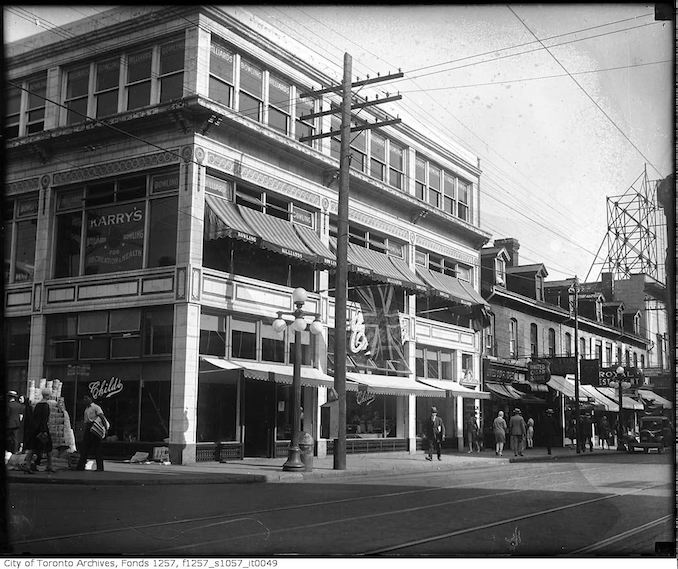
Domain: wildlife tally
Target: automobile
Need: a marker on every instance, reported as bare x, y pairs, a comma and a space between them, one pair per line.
656, 432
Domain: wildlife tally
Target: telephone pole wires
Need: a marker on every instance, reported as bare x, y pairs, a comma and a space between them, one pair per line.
341, 288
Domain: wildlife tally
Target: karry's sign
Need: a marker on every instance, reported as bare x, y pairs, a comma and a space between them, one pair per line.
104, 388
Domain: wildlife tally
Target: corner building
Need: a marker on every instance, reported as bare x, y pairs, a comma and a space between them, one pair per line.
160, 210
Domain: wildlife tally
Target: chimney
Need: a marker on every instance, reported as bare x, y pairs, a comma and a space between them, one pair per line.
608, 286
511, 245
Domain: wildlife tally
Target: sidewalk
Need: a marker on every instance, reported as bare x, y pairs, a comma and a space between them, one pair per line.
256, 470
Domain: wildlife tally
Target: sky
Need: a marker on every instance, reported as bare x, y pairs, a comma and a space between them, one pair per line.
563, 104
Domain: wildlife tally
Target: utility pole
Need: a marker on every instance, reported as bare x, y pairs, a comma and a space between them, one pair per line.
341, 287
574, 292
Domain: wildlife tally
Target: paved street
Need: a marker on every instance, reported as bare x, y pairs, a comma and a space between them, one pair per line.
602, 505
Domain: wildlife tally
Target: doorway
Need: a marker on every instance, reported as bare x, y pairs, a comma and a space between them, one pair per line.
258, 419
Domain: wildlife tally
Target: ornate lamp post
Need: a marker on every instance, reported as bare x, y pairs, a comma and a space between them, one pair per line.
614, 384
299, 324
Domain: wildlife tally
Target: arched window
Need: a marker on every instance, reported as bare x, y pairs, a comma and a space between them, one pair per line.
568, 344
552, 342
534, 342
513, 338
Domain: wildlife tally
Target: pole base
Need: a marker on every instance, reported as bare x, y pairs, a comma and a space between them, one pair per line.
293, 462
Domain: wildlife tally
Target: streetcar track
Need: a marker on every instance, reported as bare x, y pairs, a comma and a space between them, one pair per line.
504, 521
622, 536
250, 513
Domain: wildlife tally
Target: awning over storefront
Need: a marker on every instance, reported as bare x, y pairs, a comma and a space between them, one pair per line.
565, 386
455, 388
535, 387
627, 402
384, 269
599, 399
224, 220
312, 240
392, 385
278, 235
655, 399
450, 288
281, 373
219, 363
506, 391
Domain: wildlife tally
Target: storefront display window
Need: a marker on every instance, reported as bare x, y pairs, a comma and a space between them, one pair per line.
17, 333
243, 339
447, 411
272, 345
217, 404
212, 335
369, 415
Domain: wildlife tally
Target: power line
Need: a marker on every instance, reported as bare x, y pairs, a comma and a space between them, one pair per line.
586, 93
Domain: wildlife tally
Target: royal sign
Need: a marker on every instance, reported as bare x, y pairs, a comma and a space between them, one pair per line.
632, 375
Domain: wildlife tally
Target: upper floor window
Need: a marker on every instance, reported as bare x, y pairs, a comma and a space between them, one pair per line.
370, 240
500, 271
619, 356
534, 340
119, 224
552, 343
127, 81
25, 106
540, 287
513, 338
358, 151
444, 265
568, 344
463, 199
442, 189
435, 363
304, 126
279, 104
21, 222
221, 73
251, 95
434, 196
269, 203
628, 358
489, 337
396, 165
582, 347
378, 157
608, 354
420, 178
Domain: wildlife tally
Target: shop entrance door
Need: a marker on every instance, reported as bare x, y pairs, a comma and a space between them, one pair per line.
259, 417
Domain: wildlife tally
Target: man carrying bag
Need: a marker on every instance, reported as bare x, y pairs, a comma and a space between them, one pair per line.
95, 427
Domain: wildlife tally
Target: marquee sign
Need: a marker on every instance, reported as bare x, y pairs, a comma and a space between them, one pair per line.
632, 375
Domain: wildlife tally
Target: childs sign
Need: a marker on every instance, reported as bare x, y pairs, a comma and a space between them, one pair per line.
104, 388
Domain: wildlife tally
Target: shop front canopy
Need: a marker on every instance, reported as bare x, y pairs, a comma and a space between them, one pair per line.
390, 385
653, 399
599, 399
565, 386
217, 364
506, 391
269, 371
454, 388
224, 220
627, 402
451, 288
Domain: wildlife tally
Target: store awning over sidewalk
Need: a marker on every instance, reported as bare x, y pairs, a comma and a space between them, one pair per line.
627, 402
507, 391
599, 399
219, 363
224, 220
655, 399
565, 386
269, 371
391, 385
451, 288
455, 388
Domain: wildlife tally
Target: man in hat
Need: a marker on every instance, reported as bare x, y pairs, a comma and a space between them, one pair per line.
517, 430
434, 429
14, 419
550, 429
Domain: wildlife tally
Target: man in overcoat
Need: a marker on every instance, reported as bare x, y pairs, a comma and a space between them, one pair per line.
434, 429
517, 430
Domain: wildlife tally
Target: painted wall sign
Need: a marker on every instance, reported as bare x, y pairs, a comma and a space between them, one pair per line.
538, 371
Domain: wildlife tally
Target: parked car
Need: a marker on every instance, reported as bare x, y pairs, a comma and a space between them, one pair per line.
656, 432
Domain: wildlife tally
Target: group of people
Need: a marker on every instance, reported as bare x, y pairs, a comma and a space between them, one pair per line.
521, 432
27, 430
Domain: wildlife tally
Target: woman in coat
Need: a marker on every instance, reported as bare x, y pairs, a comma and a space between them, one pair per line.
499, 429
38, 439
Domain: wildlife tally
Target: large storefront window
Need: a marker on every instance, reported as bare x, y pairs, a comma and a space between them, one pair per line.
125, 221
217, 404
447, 411
107, 355
369, 415
16, 334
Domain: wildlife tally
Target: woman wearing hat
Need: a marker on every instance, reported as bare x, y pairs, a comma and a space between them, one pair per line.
517, 430
499, 429
434, 429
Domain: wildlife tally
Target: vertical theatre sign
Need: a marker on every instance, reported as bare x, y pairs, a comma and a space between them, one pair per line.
115, 239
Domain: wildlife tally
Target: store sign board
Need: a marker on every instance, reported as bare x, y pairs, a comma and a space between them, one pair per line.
115, 238
539, 371
633, 375
81, 370
104, 388
499, 374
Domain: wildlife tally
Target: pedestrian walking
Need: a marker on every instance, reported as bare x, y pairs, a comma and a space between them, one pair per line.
499, 429
586, 430
38, 439
434, 429
517, 431
604, 436
91, 442
15, 413
472, 432
550, 429
530, 432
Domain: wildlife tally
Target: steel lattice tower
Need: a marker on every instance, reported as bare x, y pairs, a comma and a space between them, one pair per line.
635, 236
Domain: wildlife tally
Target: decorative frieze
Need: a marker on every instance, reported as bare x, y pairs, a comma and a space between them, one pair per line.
446, 250
27, 185
118, 167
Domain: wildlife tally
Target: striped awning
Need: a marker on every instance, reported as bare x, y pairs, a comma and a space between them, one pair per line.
450, 288
455, 388
391, 385
312, 240
565, 386
383, 269
627, 402
278, 235
281, 373
224, 220
355, 264
655, 399
600, 399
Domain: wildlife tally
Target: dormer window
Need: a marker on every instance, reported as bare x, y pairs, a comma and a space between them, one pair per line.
500, 272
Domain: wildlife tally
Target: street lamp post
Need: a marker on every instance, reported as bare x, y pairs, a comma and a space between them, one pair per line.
614, 384
574, 302
299, 324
